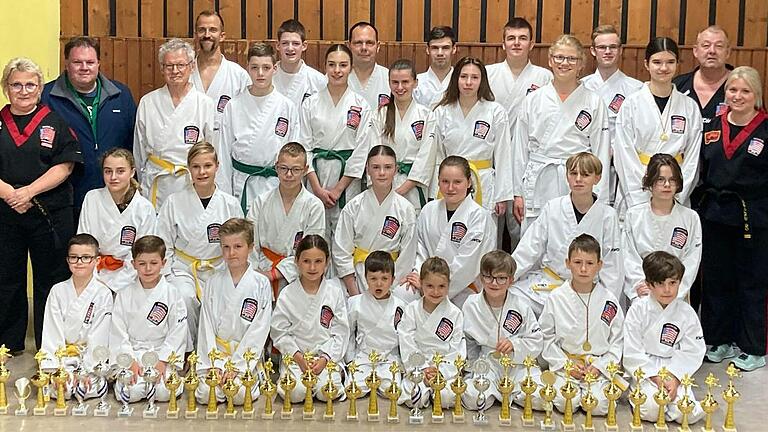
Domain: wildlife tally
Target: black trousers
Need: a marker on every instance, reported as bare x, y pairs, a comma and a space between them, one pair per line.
734, 276
30, 233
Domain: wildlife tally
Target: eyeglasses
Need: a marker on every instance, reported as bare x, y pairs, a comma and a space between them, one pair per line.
86, 259
612, 47
559, 59
661, 181
499, 280
283, 170
171, 66
29, 87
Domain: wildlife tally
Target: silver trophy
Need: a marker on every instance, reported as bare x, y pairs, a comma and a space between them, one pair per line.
416, 376
79, 390
100, 371
22, 391
124, 378
480, 369
150, 375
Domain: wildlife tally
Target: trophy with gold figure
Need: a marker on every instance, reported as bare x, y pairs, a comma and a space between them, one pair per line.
230, 388
40, 379
685, 404
709, 404
612, 392
353, 392
437, 384
505, 386
588, 402
458, 387
5, 375
249, 381
661, 398
416, 375
172, 383
287, 384
373, 382
568, 390
309, 379
59, 379
330, 391
268, 389
212, 379
638, 398
393, 393
528, 386
548, 393
731, 395
191, 381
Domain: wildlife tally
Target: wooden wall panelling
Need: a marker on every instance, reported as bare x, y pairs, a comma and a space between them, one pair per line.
527, 10
256, 19
333, 20
696, 19
581, 19
442, 14
413, 21
98, 18
127, 18
727, 17
106, 50
359, 10
756, 23
385, 14
281, 11
119, 71
133, 64
178, 18
71, 17
152, 19
638, 22
469, 20
610, 13
496, 17
148, 65
552, 20
309, 15
231, 12
668, 19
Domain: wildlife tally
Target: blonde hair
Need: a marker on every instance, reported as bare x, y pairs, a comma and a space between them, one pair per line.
20, 64
119, 152
751, 77
584, 163
567, 40
201, 148
238, 226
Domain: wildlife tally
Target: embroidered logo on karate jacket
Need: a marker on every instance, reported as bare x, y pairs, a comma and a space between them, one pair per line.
354, 117
306, 95
158, 313
711, 136
127, 235
213, 233
418, 129
444, 329
755, 146
616, 103
609, 312
669, 334
583, 120
679, 237
223, 101
89, 314
248, 309
47, 135
398, 316
191, 134
513, 321
383, 99
720, 109
481, 129
532, 88
391, 225
297, 238
458, 231
281, 127
326, 316
677, 124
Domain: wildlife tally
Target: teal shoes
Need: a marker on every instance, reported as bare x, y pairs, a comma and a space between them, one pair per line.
748, 362
716, 354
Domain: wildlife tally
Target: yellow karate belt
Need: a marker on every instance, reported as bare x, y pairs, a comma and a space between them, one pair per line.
359, 255
198, 264
475, 166
168, 168
587, 359
225, 346
645, 158
557, 280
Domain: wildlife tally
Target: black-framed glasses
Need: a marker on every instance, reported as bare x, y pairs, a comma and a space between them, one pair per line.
283, 170
499, 280
86, 259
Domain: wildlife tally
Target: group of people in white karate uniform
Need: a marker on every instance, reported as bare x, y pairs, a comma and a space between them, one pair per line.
358, 210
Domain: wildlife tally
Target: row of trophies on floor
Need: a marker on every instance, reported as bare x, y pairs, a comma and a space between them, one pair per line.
264, 371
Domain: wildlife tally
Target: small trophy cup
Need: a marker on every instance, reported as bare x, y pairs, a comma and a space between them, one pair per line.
268, 389
479, 369
393, 393
458, 387
505, 386
568, 390
548, 393
230, 389
309, 379
124, 377
437, 384
588, 403
373, 382
638, 398
150, 375
528, 386
22, 391
330, 391
5, 375
249, 380
709, 404
78, 390
287, 383
731, 395
353, 392
172, 383
685, 404
662, 399
416, 376
212, 380
40, 380
59, 379
612, 392
191, 381
100, 371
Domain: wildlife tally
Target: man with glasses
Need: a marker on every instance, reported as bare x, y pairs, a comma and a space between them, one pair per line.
368, 78
100, 111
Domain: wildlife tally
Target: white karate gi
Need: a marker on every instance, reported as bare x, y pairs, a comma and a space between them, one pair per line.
543, 249
514, 321
547, 132
563, 323
230, 80
373, 326
311, 323
301, 85
233, 319
430, 89
253, 130
669, 337
441, 331
376, 90
639, 128
365, 226
163, 136
510, 90
678, 233
462, 242
148, 320
116, 231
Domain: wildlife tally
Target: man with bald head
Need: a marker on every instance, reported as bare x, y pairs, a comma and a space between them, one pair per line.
368, 78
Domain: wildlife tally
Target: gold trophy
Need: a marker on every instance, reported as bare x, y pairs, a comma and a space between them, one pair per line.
287, 383
568, 390
393, 393
638, 398
528, 386
60, 378
437, 384
267, 387
190, 386
505, 385
458, 387
353, 392
685, 404
373, 382
173, 382
248, 381
612, 392
731, 395
588, 402
662, 399
212, 379
230, 388
5, 375
330, 391
548, 393
709, 404
40, 379
309, 379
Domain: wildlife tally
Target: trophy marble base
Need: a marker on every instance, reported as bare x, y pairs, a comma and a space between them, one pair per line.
546, 426
39, 411
150, 413
21, 412
172, 414
266, 416
329, 417
459, 418
232, 415
438, 418
80, 410
212, 415
480, 419
704, 429
395, 419
190, 415
416, 418
612, 428
725, 429
286, 415
4, 409
352, 418
505, 421
373, 417
587, 429
308, 415
666, 428
102, 411
636, 428
527, 422
570, 427
125, 412
60, 412
247, 415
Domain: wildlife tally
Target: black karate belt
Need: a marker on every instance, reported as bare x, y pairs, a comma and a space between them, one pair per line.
724, 195
47, 216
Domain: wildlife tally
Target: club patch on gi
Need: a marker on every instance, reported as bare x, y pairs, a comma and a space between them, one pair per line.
158, 313
711, 136
755, 146
306, 95
669, 334
583, 120
398, 316
353, 117
47, 135
326, 316
391, 225
481, 129
127, 235
223, 101
458, 231
532, 88
609, 312
677, 124
191, 134
679, 237
281, 127
720, 109
297, 238
616, 102
418, 129
88, 314
383, 99
513, 321
213, 233
248, 309
444, 329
